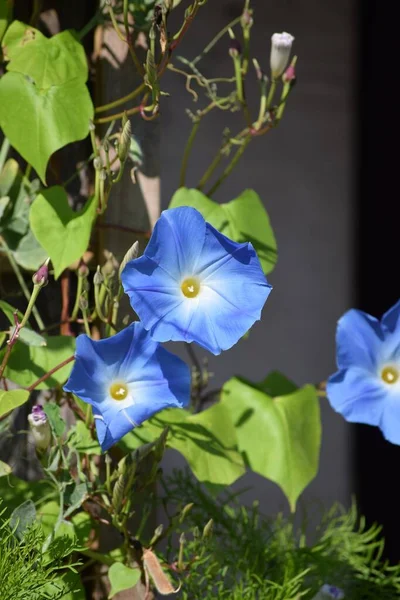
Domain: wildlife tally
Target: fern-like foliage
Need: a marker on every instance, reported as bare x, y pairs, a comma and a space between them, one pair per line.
26, 573
251, 557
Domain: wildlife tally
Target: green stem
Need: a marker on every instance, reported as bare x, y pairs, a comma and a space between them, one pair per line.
216, 39
98, 303
31, 304
79, 287
187, 151
130, 111
238, 77
210, 170
122, 100
89, 25
86, 323
230, 167
108, 473
21, 282
5, 147
271, 93
88, 416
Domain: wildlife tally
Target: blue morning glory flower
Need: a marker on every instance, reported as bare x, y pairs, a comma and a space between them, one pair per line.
126, 378
366, 389
193, 284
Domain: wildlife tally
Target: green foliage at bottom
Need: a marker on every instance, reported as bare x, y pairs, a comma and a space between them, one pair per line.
251, 557
28, 573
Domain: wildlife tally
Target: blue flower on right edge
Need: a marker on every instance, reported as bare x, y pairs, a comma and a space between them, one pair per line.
366, 388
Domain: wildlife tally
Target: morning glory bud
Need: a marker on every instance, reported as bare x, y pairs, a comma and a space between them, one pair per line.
41, 276
280, 53
132, 253
40, 428
235, 48
329, 592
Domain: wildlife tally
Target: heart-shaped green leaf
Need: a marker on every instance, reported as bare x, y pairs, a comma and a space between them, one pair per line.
122, 578
242, 220
12, 399
44, 101
209, 448
62, 232
279, 437
48, 61
28, 363
40, 121
5, 469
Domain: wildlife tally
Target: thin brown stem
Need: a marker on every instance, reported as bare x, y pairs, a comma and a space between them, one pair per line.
50, 373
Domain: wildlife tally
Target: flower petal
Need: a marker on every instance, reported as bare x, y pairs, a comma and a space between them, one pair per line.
358, 340
391, 319
390, 421
152, 292
177, 241
357, 395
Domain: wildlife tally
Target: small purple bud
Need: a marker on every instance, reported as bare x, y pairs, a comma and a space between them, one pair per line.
41, 276
40, 427
235, 48
290, 74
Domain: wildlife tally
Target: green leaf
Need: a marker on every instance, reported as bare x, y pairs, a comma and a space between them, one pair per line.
206, 440
83, 526
44, 101
13, 184
47, 515
57, 423
279, 437
29, 254
122, 578
48, 61
77, 498
28, 363
14, 221
277, 384
40, 121
62, 232
26, 335
68, 588
22, 518
5, 15
5, 469
81, 440
242, 220
12, 399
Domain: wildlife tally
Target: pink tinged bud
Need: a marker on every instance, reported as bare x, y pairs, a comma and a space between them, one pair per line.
235, 48
40, 427
290, 74
281, 46
41, 276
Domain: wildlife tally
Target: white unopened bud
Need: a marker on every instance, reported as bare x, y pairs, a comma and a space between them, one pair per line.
281, 46
40, 428
329, 592
132, 253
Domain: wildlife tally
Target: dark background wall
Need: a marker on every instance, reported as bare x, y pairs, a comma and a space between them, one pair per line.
378, 283
305, 174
